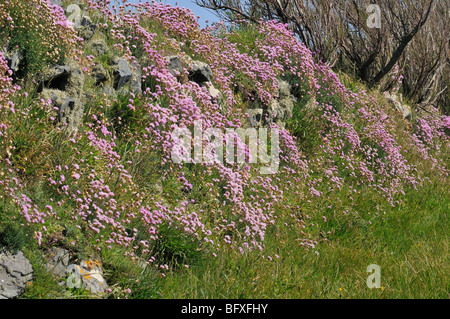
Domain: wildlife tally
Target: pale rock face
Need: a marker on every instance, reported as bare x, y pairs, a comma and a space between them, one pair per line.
122, 73
255, 117
99, 74
174, 65
98, 47
126, 74
58, 261
200, 72
197, 71
85, 27
14, 58
63, 85
87, 275
281, 108
15, 272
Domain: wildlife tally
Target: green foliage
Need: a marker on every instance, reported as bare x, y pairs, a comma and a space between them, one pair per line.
175, 248
304, 123
409, 244
13, 235
34, 35
123, 118
43, 285
245, 37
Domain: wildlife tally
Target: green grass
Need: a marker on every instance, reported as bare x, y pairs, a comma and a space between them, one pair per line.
43, 284
409, 243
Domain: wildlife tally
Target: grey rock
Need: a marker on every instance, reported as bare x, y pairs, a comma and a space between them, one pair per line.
99, 47
63, 85
85, 27
15, 272
397, 102
255, 117
68, 104
58, 98
108, 90
136, 78
215, 93
127, 78
74, 114
99, 74
200, 72
14, 59
58, 261
174, 65
136, 81
280, 109
284, 90
122, 73
87, 275
93, 280
56, 77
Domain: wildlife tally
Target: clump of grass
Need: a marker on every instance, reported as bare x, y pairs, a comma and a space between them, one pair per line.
175, 248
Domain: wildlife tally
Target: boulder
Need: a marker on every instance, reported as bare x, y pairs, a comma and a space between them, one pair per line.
280, 109
174, 65
200, 72
284, 90
87, 275
56, 77
215, 93
98, 47
108, 90
177, 65
255, 117
63, 85
15, 272
99, 74
14, 59
122, 73
60, 100
67, 107
136, 79
58, 261
85, 27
